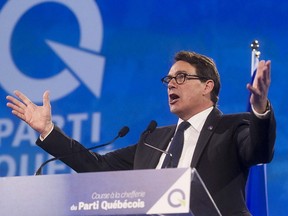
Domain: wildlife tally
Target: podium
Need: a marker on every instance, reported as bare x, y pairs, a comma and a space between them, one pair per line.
138, 192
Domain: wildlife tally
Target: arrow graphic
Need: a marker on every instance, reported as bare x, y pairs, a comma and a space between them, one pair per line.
87, 67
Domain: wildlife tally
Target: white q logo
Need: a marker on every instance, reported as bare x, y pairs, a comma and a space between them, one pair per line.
85, 66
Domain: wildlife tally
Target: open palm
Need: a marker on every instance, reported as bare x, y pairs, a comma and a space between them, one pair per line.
37, 117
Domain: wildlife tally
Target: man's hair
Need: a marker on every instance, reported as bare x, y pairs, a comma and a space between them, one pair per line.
205, 67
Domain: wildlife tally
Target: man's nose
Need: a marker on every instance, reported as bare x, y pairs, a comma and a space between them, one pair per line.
172, 83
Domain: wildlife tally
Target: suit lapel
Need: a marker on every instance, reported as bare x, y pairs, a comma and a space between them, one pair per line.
205, 134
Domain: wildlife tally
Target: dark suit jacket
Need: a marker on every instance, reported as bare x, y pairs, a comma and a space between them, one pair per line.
227, 146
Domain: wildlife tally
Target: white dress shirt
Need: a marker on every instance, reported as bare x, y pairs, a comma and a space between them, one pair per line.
191, 136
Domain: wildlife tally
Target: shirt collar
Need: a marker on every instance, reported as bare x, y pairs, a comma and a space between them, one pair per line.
197, 121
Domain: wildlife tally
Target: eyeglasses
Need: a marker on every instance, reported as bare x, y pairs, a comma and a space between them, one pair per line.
180, 78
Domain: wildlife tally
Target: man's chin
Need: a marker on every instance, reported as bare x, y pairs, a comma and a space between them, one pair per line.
174, 110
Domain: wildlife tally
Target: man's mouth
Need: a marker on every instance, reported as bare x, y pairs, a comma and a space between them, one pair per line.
173, 98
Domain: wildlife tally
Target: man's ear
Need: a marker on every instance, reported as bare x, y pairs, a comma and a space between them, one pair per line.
209, 85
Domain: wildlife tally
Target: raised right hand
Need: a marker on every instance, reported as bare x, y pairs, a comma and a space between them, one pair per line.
37, 117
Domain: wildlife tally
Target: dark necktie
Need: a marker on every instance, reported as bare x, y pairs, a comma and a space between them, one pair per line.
176, 147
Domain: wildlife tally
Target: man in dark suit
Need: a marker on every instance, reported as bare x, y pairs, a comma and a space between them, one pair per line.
221, 147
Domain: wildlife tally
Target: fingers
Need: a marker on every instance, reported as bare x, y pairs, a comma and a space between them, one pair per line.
262, 78
19, 115
17, 106
22, 97
253, 90
22, 103
268, 69
15, 103
16, 109
264, 71
260, 87
46, 99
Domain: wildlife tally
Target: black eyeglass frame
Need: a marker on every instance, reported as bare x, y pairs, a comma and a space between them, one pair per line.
165, 80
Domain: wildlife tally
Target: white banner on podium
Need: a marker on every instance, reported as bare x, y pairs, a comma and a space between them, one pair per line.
164, 191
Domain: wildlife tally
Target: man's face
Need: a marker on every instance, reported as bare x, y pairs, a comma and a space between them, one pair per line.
187, 99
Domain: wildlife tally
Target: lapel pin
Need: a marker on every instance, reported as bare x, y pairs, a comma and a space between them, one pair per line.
210, 127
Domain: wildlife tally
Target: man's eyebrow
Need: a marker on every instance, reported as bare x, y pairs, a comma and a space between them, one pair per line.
181, 71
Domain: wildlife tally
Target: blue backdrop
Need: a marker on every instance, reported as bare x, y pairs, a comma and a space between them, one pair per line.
103, 60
